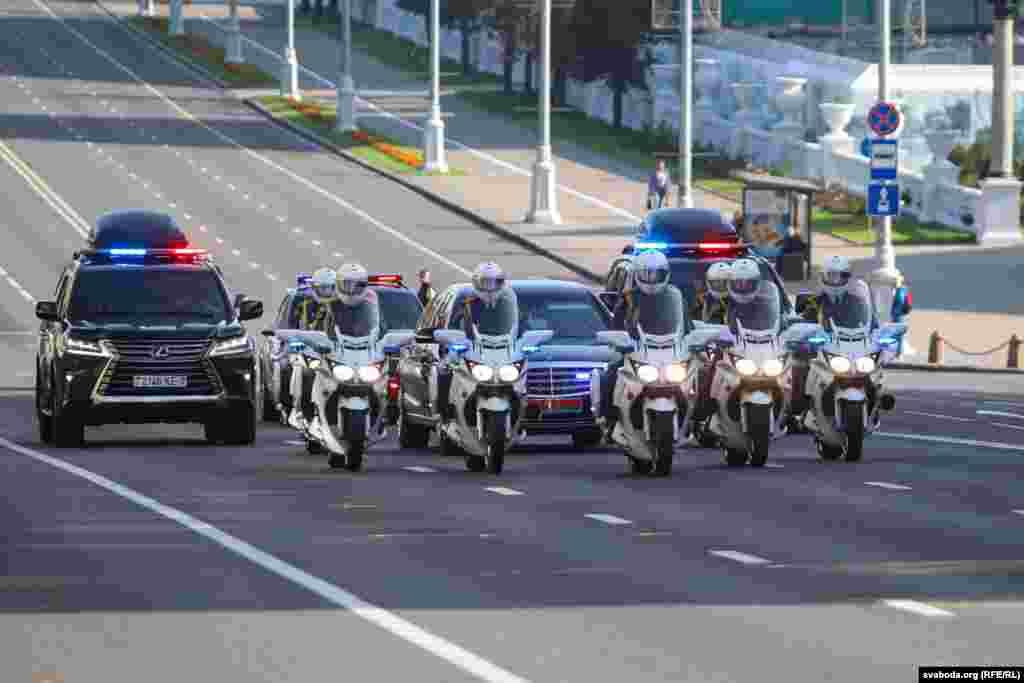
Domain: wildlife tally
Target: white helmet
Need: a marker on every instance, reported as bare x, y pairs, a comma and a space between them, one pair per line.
746, 278
836, 275
352, 283
488, 282
718, 277
324, 285
651, 272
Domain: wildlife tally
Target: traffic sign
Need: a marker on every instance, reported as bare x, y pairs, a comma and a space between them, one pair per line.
883, 199
884, 159
884, 119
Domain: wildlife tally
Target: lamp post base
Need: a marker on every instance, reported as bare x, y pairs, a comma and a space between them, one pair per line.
234, 51
290, 77
346, 118
1000, 211
543, 195
433, 145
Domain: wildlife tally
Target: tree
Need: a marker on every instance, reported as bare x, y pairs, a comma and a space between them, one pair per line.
465, 16
601, 39
513, 25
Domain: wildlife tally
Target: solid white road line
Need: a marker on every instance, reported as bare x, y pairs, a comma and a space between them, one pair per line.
295, 443
1003, 424
608, 519
41, 188
774, 466
998, 413
309, 184
941, 417
1019, 512
406, 630
502, 491
420, 468
17, 286
916, 607
737, 556
953, 442
887, 485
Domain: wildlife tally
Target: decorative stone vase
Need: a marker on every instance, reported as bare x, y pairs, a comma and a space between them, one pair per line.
837, 117
789, 102
941, 143
707, 78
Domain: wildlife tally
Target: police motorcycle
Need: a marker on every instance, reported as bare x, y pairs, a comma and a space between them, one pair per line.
750, 391
488, 384
845, 384
304, 351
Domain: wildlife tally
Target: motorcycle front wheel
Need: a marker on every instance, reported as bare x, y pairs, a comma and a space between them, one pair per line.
854, 419
759, 422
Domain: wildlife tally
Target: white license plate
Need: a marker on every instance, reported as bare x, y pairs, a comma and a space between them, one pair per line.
175, 381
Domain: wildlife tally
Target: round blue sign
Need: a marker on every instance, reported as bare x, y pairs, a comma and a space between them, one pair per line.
865, 147
884, 118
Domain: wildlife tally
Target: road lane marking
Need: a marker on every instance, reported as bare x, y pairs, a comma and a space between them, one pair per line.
17, 286
1003, 424
953, 442
502, 491
887, 485
47, 193
916, 607
941, 417
999, 413
739, 557
302, 180
608, 519
420, 468
774, 466
406, 630
295, 443
1019, 512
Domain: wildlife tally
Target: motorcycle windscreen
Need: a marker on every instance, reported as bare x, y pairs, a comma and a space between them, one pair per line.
359, 320
498, 319
662, 313
763, 313
852, 311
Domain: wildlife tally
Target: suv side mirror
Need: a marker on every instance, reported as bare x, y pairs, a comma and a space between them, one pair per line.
250, 309
47, 310
609, 299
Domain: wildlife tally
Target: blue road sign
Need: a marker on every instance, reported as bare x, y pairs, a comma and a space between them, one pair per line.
884, 119
884, 159
883, 199
865, 148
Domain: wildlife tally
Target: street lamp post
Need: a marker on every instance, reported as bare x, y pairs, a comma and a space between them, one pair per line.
177, 17
290, 77
543, 188
234, 51
885, 277
346, 116
433, 133
685, 103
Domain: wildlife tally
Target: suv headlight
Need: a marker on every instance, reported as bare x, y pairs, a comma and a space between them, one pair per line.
839, 364
83, 347
865, 365
231, 346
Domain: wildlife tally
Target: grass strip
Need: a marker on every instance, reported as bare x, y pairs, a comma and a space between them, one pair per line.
905, 230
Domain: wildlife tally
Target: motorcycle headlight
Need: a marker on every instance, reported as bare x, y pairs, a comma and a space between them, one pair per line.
483, 373
840, 364
369, 373
82, 347
772, 367
865, 365
313, 363
508, 373
745, 366
343, 373
676, 373
647, 373
230, 346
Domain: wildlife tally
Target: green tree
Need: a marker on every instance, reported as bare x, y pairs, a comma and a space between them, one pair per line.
465, 16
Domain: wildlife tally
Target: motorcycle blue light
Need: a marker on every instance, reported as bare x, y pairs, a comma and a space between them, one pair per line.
888, 341
530, 349
392, 349
582, 375
458, 348
817, 340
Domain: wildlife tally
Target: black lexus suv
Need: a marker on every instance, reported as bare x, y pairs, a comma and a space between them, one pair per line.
142, 330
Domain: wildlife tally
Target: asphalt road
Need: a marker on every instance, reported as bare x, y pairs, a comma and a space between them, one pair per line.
150, 556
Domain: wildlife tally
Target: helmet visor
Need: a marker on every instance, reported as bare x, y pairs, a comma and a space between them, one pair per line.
718, 286
324, 290
352, 288
488, 284
653, 277
748, 286
836, 278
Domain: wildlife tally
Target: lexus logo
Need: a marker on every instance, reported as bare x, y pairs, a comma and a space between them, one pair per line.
161, 352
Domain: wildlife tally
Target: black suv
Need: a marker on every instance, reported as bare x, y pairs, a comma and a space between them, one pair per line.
691, 239
142, 330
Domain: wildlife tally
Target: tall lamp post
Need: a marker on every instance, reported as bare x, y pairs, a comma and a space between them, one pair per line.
685, 103
543, 188
234, 51
346, 116
433, 133
290, 78
885, 277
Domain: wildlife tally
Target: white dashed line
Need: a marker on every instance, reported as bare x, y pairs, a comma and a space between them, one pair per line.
172, 205
245, 197
337, 254
502, 491
1003, 424
203, 228
236, 252
316, 243
941, 417
232, 188
953, 442
887, 485
296, 230
737, 556
254, 266
187, 216
272, 277
420, 468
998, 413
295, 443
608, 519
281, 219
219, 240
263, 207
916, 607
1019, 512
774, 466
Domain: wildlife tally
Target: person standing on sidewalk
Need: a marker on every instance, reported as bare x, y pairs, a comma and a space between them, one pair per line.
426, 292
658, 186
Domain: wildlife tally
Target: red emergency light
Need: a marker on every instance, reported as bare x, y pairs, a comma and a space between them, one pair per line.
384, 279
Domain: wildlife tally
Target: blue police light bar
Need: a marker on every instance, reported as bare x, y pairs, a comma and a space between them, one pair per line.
651, 245
126, 252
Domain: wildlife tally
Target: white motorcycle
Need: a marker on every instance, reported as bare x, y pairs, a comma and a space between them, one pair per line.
488, 391
750, 393
650, 397
305, 350
846, 385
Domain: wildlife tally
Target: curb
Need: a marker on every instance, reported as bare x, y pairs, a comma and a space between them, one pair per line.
922, 367
461, 211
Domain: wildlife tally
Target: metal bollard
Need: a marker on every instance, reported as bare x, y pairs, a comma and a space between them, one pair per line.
935, 349
1013, 353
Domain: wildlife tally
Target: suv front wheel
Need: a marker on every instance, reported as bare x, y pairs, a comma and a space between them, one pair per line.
68, 428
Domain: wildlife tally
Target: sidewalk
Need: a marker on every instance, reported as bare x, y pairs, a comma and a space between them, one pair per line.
600, 200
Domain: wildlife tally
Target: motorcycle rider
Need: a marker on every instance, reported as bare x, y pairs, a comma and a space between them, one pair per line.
715, 304
489, 301
312, 310
355, 312
655, 301
830, 303
754, 303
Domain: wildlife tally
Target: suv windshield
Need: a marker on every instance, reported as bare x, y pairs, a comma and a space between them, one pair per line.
399, 309
131, 295
573, 315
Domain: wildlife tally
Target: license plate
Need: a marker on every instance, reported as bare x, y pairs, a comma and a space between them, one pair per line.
160, 381
565, 405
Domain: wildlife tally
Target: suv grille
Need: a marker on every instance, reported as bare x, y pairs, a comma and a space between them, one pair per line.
544, 381
160, 358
